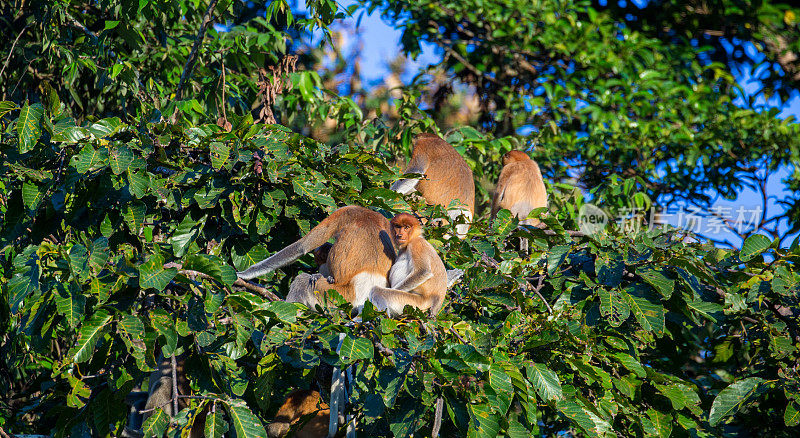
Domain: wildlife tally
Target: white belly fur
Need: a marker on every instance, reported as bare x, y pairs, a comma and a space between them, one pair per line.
400, 269
363, 284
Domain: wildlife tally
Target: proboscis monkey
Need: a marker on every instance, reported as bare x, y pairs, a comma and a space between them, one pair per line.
298, 404
358, 260
520, 189
417, 277
448, 178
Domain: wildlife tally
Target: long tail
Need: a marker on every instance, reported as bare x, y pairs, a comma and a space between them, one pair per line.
316, 237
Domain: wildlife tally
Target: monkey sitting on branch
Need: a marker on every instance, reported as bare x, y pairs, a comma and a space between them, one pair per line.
448, 179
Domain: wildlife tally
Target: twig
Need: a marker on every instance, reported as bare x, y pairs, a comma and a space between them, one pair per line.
253, 287
537, 289
190, 61
174, 364
437, 417
191, 397
261, 290
11, 52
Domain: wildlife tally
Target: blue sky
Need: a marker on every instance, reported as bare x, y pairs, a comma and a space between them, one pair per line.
381, 44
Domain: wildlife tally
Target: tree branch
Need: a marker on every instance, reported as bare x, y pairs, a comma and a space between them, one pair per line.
190, 61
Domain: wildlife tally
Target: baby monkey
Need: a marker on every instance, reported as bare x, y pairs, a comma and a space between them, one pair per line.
417, 277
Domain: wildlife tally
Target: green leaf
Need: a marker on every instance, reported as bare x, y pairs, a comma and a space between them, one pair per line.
680, 395
106, 127
165, 326
138, 183
184, 235
283, 311
630, 363
212, 266
556, 256
791, 417
657, 424
484, 422
216, 425
504, 222
6, 107
502, 386
646, 308
354, 349
90, 159
220, 152
614, 307
78, 259
659, 281
70, 304
545, 381
32, 195
99, 253
730, 399
120, 158
244, 422
753, 245
156, 425
134, 214
153, 274
28, 126
88, 335
132, 325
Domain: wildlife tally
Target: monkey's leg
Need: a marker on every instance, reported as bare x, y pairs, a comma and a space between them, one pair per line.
393, 300
347, 291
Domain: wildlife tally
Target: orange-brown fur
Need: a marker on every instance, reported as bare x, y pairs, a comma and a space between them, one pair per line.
300, 403
448, 178
359, 258
418, 276
520, 188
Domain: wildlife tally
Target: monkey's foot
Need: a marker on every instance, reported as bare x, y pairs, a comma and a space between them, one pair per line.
453, 275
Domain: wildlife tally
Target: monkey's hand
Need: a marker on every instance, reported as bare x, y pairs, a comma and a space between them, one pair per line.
453, 276
314, 278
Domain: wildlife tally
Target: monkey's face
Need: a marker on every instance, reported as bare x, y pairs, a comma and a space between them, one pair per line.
402, 233
404, 228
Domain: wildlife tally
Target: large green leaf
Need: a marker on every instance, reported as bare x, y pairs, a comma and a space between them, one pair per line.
658, 280
613, 307
732, 398
485, 423
120, 158
646, 308
88, 335
32, 195
156, 425
153, 274
134, 214
754, 245
90, 159
244, 422
545, 381
354, 349
212, 266
791, 416
70, 304
28, 126
216, 425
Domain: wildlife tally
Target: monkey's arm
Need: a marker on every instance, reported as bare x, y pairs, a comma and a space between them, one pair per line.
422, 272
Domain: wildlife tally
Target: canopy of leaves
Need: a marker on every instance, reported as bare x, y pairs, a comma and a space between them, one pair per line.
126, 213
603, 90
